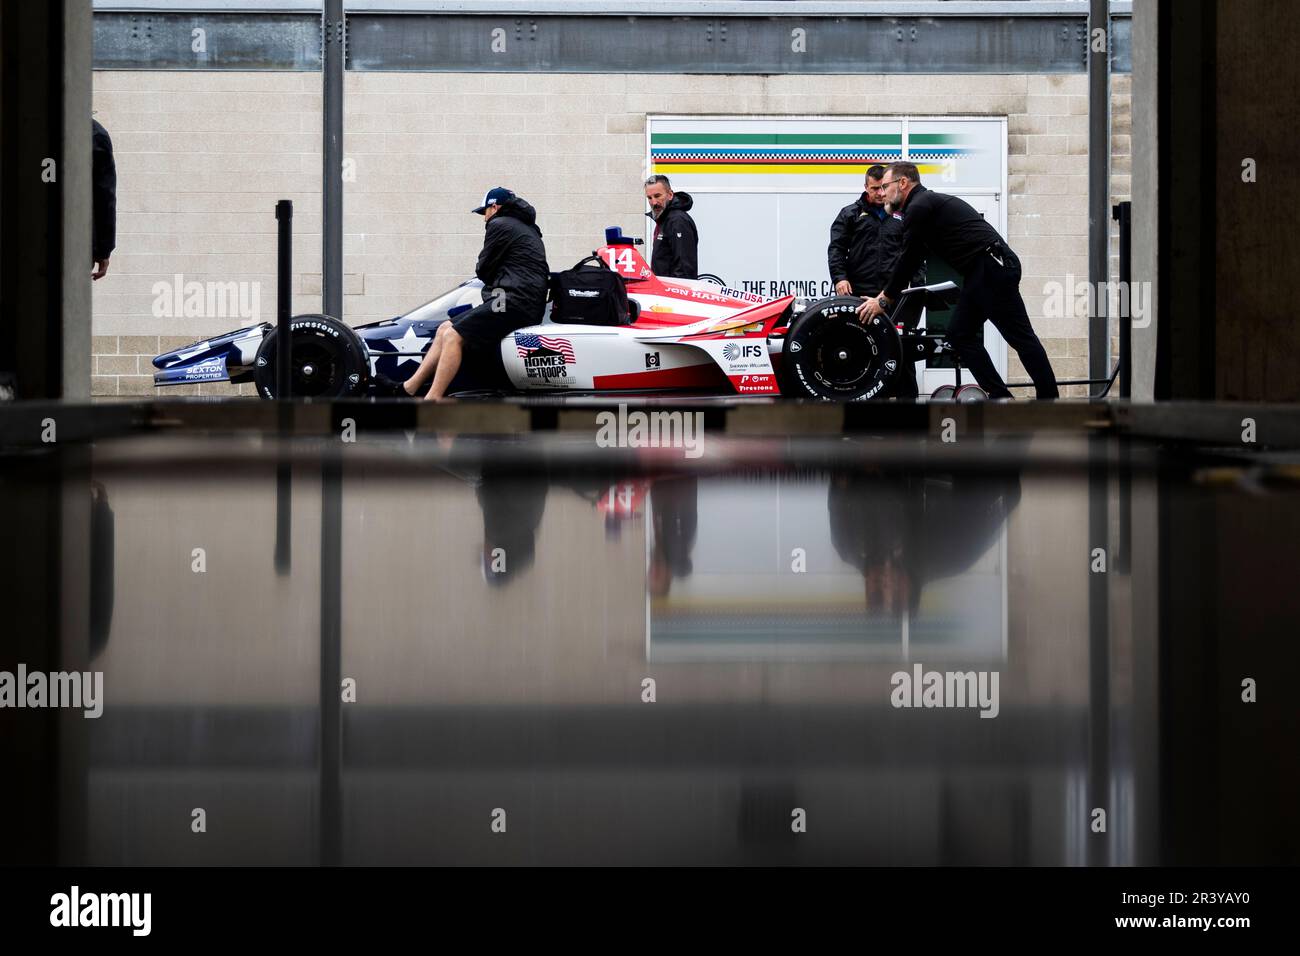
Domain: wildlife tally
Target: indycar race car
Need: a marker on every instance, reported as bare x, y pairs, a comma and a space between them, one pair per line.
683, 335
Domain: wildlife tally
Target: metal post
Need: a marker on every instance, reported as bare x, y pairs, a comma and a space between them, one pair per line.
283, 300
1099, 797
334, 52
1098, 185
331, 661
1123, 213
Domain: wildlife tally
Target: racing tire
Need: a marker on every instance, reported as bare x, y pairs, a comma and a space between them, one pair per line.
971, 393
329, 360
832, 356
944, 393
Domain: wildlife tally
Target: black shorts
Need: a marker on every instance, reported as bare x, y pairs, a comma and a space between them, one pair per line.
483, 329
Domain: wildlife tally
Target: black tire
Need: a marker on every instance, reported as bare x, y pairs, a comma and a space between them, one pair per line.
831, 356
971, 393
329, 360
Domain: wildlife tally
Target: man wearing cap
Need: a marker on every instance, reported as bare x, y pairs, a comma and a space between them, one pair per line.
515, 278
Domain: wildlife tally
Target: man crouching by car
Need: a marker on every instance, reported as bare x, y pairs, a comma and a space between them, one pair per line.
515, 278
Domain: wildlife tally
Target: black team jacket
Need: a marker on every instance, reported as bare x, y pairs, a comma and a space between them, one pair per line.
676, 242
514, 259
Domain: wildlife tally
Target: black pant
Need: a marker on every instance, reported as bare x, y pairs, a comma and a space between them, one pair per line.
483, 327
991, 291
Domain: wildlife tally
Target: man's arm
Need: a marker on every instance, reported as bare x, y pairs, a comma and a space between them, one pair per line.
837, 253
494, 250
686, 248
104, 200
916, 222
891, 235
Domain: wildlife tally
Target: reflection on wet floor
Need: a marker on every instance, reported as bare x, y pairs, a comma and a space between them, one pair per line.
486, 651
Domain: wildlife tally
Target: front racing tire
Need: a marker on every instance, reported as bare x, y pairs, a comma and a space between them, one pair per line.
329, 360
832, 356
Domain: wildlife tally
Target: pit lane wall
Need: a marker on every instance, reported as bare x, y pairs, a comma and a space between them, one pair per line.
203, 156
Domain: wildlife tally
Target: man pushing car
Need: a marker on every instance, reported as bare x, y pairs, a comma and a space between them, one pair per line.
515, 278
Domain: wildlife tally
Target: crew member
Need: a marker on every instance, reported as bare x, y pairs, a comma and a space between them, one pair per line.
949, 228
515, 278
676, 241
866, 239
865, 242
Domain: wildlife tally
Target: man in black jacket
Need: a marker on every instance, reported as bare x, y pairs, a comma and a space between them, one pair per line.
949, 228
515, 278
104, 200
865, 242
676, 241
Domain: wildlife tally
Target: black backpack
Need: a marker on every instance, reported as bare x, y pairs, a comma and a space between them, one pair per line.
589, 294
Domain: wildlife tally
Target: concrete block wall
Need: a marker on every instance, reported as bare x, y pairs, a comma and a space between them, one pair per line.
202, 158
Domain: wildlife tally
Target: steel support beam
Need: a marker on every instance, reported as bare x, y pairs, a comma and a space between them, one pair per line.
1098, 186
230, 41
732, 45
574, 42
334, 53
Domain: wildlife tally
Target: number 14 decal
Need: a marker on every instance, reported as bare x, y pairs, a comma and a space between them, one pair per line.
621, 261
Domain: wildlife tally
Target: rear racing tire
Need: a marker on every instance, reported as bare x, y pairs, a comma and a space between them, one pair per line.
832, 356
329, 360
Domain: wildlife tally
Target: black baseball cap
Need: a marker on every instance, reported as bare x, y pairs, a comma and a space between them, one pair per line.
495, 197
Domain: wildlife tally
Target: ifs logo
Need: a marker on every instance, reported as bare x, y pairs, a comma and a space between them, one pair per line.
732, 351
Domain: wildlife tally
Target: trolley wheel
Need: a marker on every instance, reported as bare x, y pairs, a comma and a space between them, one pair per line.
944, 393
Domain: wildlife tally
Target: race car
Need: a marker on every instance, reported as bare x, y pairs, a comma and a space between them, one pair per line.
685, 335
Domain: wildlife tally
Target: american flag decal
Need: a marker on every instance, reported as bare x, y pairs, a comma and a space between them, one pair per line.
526, 342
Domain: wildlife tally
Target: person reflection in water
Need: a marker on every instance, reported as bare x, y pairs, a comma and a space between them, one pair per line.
674, 502
512, 511
904, 530
512, 504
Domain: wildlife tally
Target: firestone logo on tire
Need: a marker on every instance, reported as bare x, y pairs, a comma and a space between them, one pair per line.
316, 325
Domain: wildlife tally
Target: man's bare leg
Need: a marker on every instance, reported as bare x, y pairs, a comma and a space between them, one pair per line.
448, 365
428, 364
